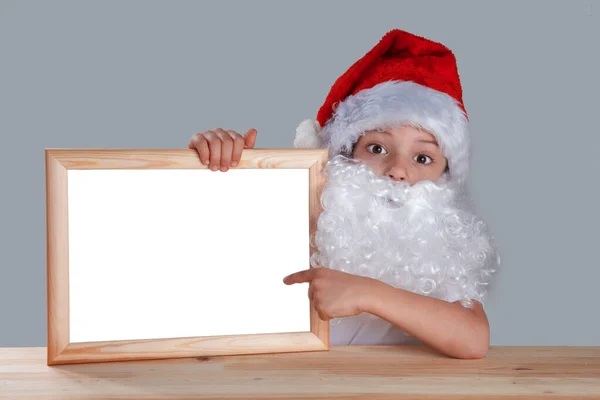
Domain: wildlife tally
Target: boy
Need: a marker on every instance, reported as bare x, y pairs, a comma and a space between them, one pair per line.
401, 256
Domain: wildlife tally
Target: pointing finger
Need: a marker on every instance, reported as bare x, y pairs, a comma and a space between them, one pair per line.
300, 277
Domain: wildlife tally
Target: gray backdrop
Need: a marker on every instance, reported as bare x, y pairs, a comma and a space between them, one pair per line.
149, 74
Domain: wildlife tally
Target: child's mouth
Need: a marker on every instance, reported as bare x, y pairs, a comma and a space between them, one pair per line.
392, 202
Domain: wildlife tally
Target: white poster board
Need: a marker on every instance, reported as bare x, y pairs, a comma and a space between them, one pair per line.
179, 255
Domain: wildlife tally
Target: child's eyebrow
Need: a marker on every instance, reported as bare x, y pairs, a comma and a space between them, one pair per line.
420, 140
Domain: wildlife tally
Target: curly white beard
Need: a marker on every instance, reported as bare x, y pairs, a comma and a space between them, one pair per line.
422, 238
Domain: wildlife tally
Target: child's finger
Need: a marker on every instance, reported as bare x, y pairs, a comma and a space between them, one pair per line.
299, 277
323, 315
226, 149
250, 138
238, 147
311, 292
200, 144
215, 152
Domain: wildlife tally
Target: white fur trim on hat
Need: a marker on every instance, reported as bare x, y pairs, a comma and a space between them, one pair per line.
307, 134
393, 103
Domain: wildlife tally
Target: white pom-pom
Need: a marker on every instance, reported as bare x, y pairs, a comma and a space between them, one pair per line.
306, 135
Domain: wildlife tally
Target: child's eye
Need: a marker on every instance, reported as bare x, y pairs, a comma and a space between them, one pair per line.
378, 146
422, 159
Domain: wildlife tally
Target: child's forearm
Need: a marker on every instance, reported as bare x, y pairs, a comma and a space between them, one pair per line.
447, 327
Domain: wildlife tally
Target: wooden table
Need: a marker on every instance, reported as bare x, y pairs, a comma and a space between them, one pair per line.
376, 372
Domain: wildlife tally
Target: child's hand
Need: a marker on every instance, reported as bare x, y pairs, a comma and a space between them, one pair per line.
336, 294
223, 149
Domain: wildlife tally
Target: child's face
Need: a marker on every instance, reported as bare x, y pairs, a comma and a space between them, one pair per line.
403, 153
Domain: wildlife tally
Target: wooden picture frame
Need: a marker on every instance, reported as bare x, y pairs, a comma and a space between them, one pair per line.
60, 350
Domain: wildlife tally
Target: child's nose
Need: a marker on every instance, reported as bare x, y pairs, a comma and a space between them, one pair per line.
398, 170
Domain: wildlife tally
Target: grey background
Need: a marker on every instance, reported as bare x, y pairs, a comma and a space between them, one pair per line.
149, 74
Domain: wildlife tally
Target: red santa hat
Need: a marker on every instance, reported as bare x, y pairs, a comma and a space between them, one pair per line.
404, 79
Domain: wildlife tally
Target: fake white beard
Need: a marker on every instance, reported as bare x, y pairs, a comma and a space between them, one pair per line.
425, 240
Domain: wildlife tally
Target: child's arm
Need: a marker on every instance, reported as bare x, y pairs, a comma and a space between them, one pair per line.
447, 327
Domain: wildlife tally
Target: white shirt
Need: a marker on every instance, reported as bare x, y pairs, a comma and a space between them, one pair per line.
366, 330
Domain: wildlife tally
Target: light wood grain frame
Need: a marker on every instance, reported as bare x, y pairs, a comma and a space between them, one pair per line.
61, 351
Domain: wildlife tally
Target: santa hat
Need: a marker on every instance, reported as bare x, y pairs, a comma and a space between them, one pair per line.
404, 79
